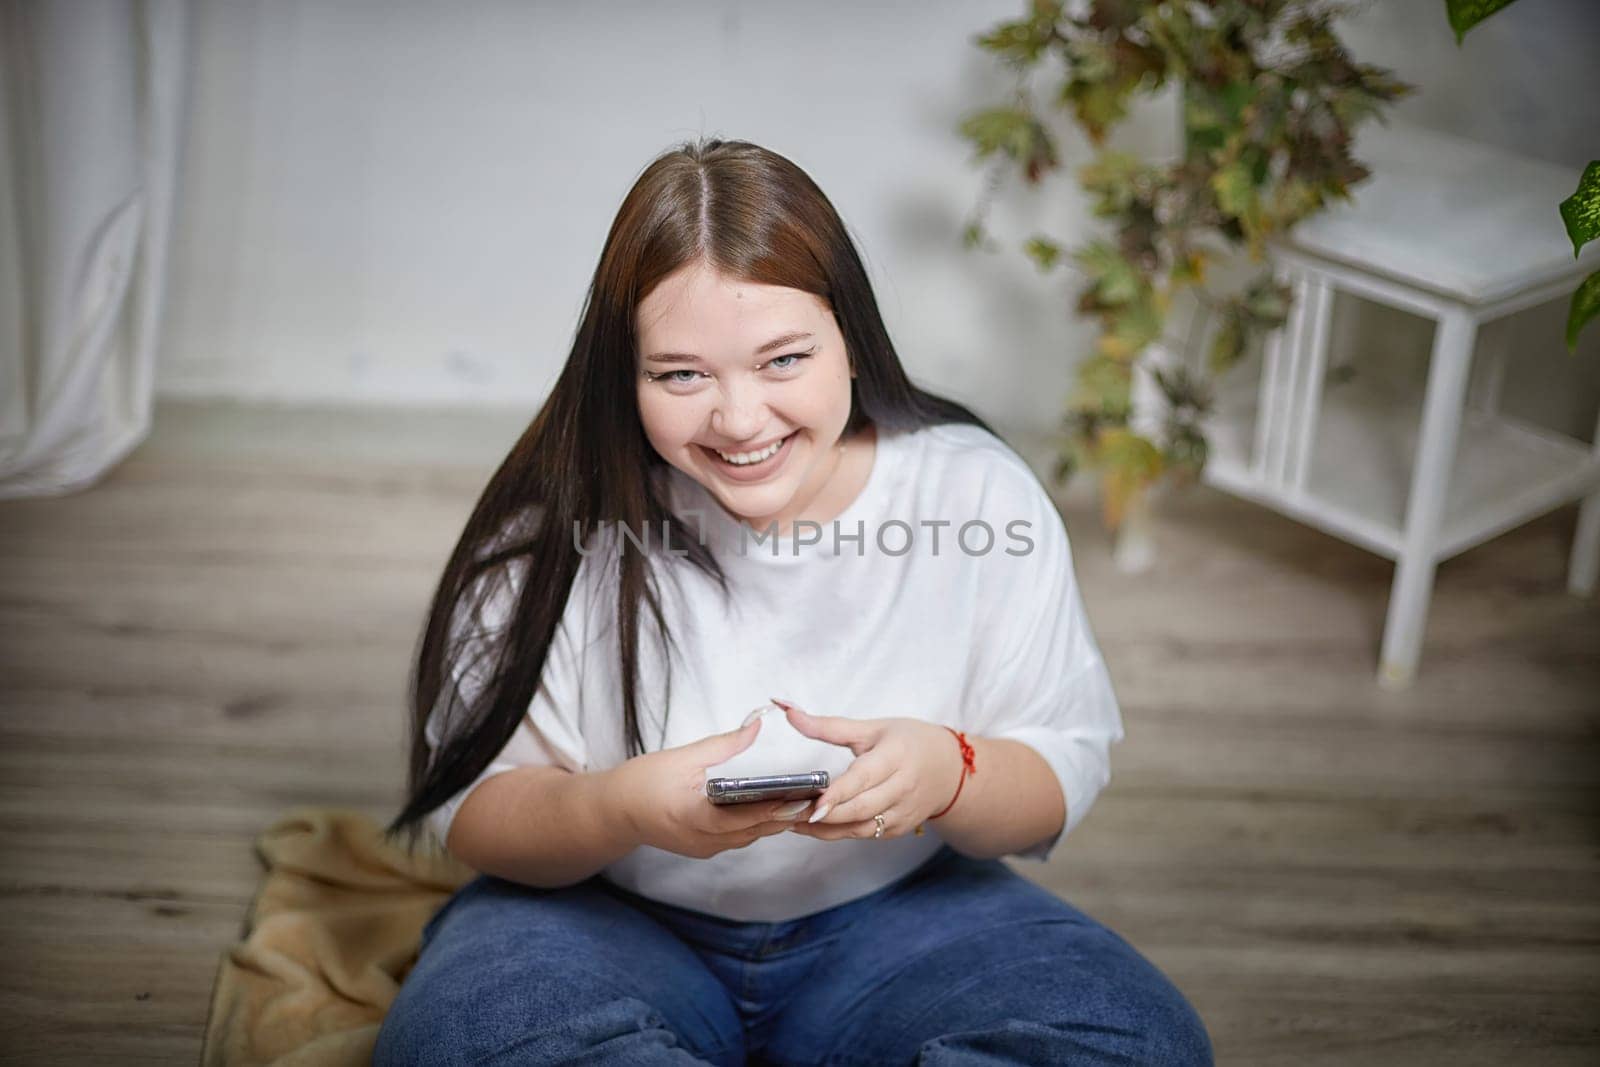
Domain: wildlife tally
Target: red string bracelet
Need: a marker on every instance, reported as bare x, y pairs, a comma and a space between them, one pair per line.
966, 769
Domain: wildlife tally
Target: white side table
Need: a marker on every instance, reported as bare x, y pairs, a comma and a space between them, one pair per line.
1463, 234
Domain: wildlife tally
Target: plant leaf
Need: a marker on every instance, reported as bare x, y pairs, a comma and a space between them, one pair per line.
1104, 385
1186, 452
1043, 251
1227, 346
1066, 464
1016, 132
1097, 105
1113, 178
997, 129
1465, 14
1021, 42
1581, 210
1267, 301
1585, 306
1132, 327
1235, 191
1189, 268
1115, 279
1183, 389
1129, 462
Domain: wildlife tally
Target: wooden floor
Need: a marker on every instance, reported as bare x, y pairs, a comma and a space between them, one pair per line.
1332, 873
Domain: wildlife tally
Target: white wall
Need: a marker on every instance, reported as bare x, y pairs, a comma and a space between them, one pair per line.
403, 202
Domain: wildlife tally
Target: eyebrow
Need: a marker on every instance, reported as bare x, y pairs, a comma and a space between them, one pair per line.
684, 357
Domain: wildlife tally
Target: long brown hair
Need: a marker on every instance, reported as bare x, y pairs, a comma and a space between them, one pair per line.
584, 461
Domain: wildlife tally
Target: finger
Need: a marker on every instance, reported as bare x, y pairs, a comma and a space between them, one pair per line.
869, 802
856, 734
746, 835
864, 773
826, 831
737, 817
710, 751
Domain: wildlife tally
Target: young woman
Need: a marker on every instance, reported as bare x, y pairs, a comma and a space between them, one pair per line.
734, 491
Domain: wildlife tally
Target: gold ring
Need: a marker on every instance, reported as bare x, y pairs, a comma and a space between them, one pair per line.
879, 831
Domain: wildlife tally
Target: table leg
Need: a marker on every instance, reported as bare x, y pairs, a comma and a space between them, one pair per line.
1312, 356
1584, 563
1442, 407
1278, 355
1489, 368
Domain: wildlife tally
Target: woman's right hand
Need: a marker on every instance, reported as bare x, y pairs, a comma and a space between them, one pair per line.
664, 798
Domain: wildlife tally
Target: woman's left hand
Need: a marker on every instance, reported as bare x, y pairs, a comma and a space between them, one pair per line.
906, 769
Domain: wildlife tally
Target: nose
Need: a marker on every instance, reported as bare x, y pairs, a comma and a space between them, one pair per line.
740, 414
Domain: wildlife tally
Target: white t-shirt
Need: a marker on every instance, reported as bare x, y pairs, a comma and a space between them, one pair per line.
985, 633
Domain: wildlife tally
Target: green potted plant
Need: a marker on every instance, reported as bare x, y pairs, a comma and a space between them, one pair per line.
1269, 101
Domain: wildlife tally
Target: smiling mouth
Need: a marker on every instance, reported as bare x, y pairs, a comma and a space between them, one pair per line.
768, 453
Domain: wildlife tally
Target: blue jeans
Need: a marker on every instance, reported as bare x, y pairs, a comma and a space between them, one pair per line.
961, 961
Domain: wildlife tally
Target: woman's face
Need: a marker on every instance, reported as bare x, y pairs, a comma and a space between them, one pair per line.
732, 366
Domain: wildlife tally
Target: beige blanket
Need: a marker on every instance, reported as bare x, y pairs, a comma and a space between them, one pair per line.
333, 932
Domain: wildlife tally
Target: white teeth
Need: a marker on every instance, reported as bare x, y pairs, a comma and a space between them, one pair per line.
743, 458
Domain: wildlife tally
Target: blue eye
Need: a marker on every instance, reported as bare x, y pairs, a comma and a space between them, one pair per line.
668, 376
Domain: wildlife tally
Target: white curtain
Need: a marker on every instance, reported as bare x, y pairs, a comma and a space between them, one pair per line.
91, 95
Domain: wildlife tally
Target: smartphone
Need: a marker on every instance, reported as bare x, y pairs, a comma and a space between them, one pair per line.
766, 787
